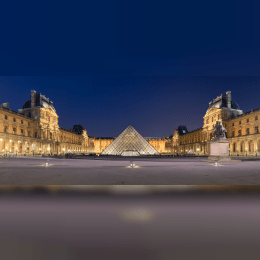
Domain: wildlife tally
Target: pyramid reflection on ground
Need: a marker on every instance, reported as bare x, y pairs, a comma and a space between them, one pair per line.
130, 143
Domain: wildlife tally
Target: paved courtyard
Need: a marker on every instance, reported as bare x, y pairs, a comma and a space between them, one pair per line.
106, 171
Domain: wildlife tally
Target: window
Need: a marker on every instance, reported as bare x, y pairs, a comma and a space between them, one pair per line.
14, 131
42, 116
14, 120
241, 147
30, 115
36, 125
233, 134
256, 129
212, 119
36, 115
6, 117
234, 147
54, 120
21, 121
6, 129
239, 132
247, 131
21, 131
247, 120
256, 118
29, 133
240, 122
232, 124
28, 123
35, 135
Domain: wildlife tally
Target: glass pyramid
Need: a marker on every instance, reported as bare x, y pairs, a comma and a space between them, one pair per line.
130, 143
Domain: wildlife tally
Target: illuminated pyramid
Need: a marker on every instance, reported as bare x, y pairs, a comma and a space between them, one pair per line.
130, 143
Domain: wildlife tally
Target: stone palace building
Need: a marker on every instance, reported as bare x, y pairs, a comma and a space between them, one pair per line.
34, 130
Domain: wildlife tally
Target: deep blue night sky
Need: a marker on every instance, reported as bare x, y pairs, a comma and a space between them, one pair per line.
108, 64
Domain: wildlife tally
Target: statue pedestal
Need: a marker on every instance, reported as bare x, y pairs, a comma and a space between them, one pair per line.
219, 147
219, 151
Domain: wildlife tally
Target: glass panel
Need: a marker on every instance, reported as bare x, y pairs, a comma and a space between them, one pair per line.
130, 142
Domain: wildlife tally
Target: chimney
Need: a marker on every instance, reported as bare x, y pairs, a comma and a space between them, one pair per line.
6, 105
228, 96
33, 98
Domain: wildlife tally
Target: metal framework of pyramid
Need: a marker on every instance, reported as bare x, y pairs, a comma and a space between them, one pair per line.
130, 143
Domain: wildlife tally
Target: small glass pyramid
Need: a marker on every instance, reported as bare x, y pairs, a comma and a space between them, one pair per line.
130, 143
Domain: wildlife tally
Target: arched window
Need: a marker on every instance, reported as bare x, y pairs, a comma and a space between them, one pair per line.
234, 147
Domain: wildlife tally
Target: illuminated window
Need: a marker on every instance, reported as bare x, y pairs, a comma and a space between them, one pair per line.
256, 129
239, 132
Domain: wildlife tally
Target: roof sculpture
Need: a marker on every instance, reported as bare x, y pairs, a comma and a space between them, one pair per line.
130, 142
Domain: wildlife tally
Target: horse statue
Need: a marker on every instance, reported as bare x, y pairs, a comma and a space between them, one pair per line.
219, 131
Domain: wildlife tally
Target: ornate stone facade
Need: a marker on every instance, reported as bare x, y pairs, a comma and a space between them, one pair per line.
34, 130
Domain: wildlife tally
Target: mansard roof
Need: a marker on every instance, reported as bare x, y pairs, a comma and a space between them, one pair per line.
221, 102
41, 101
